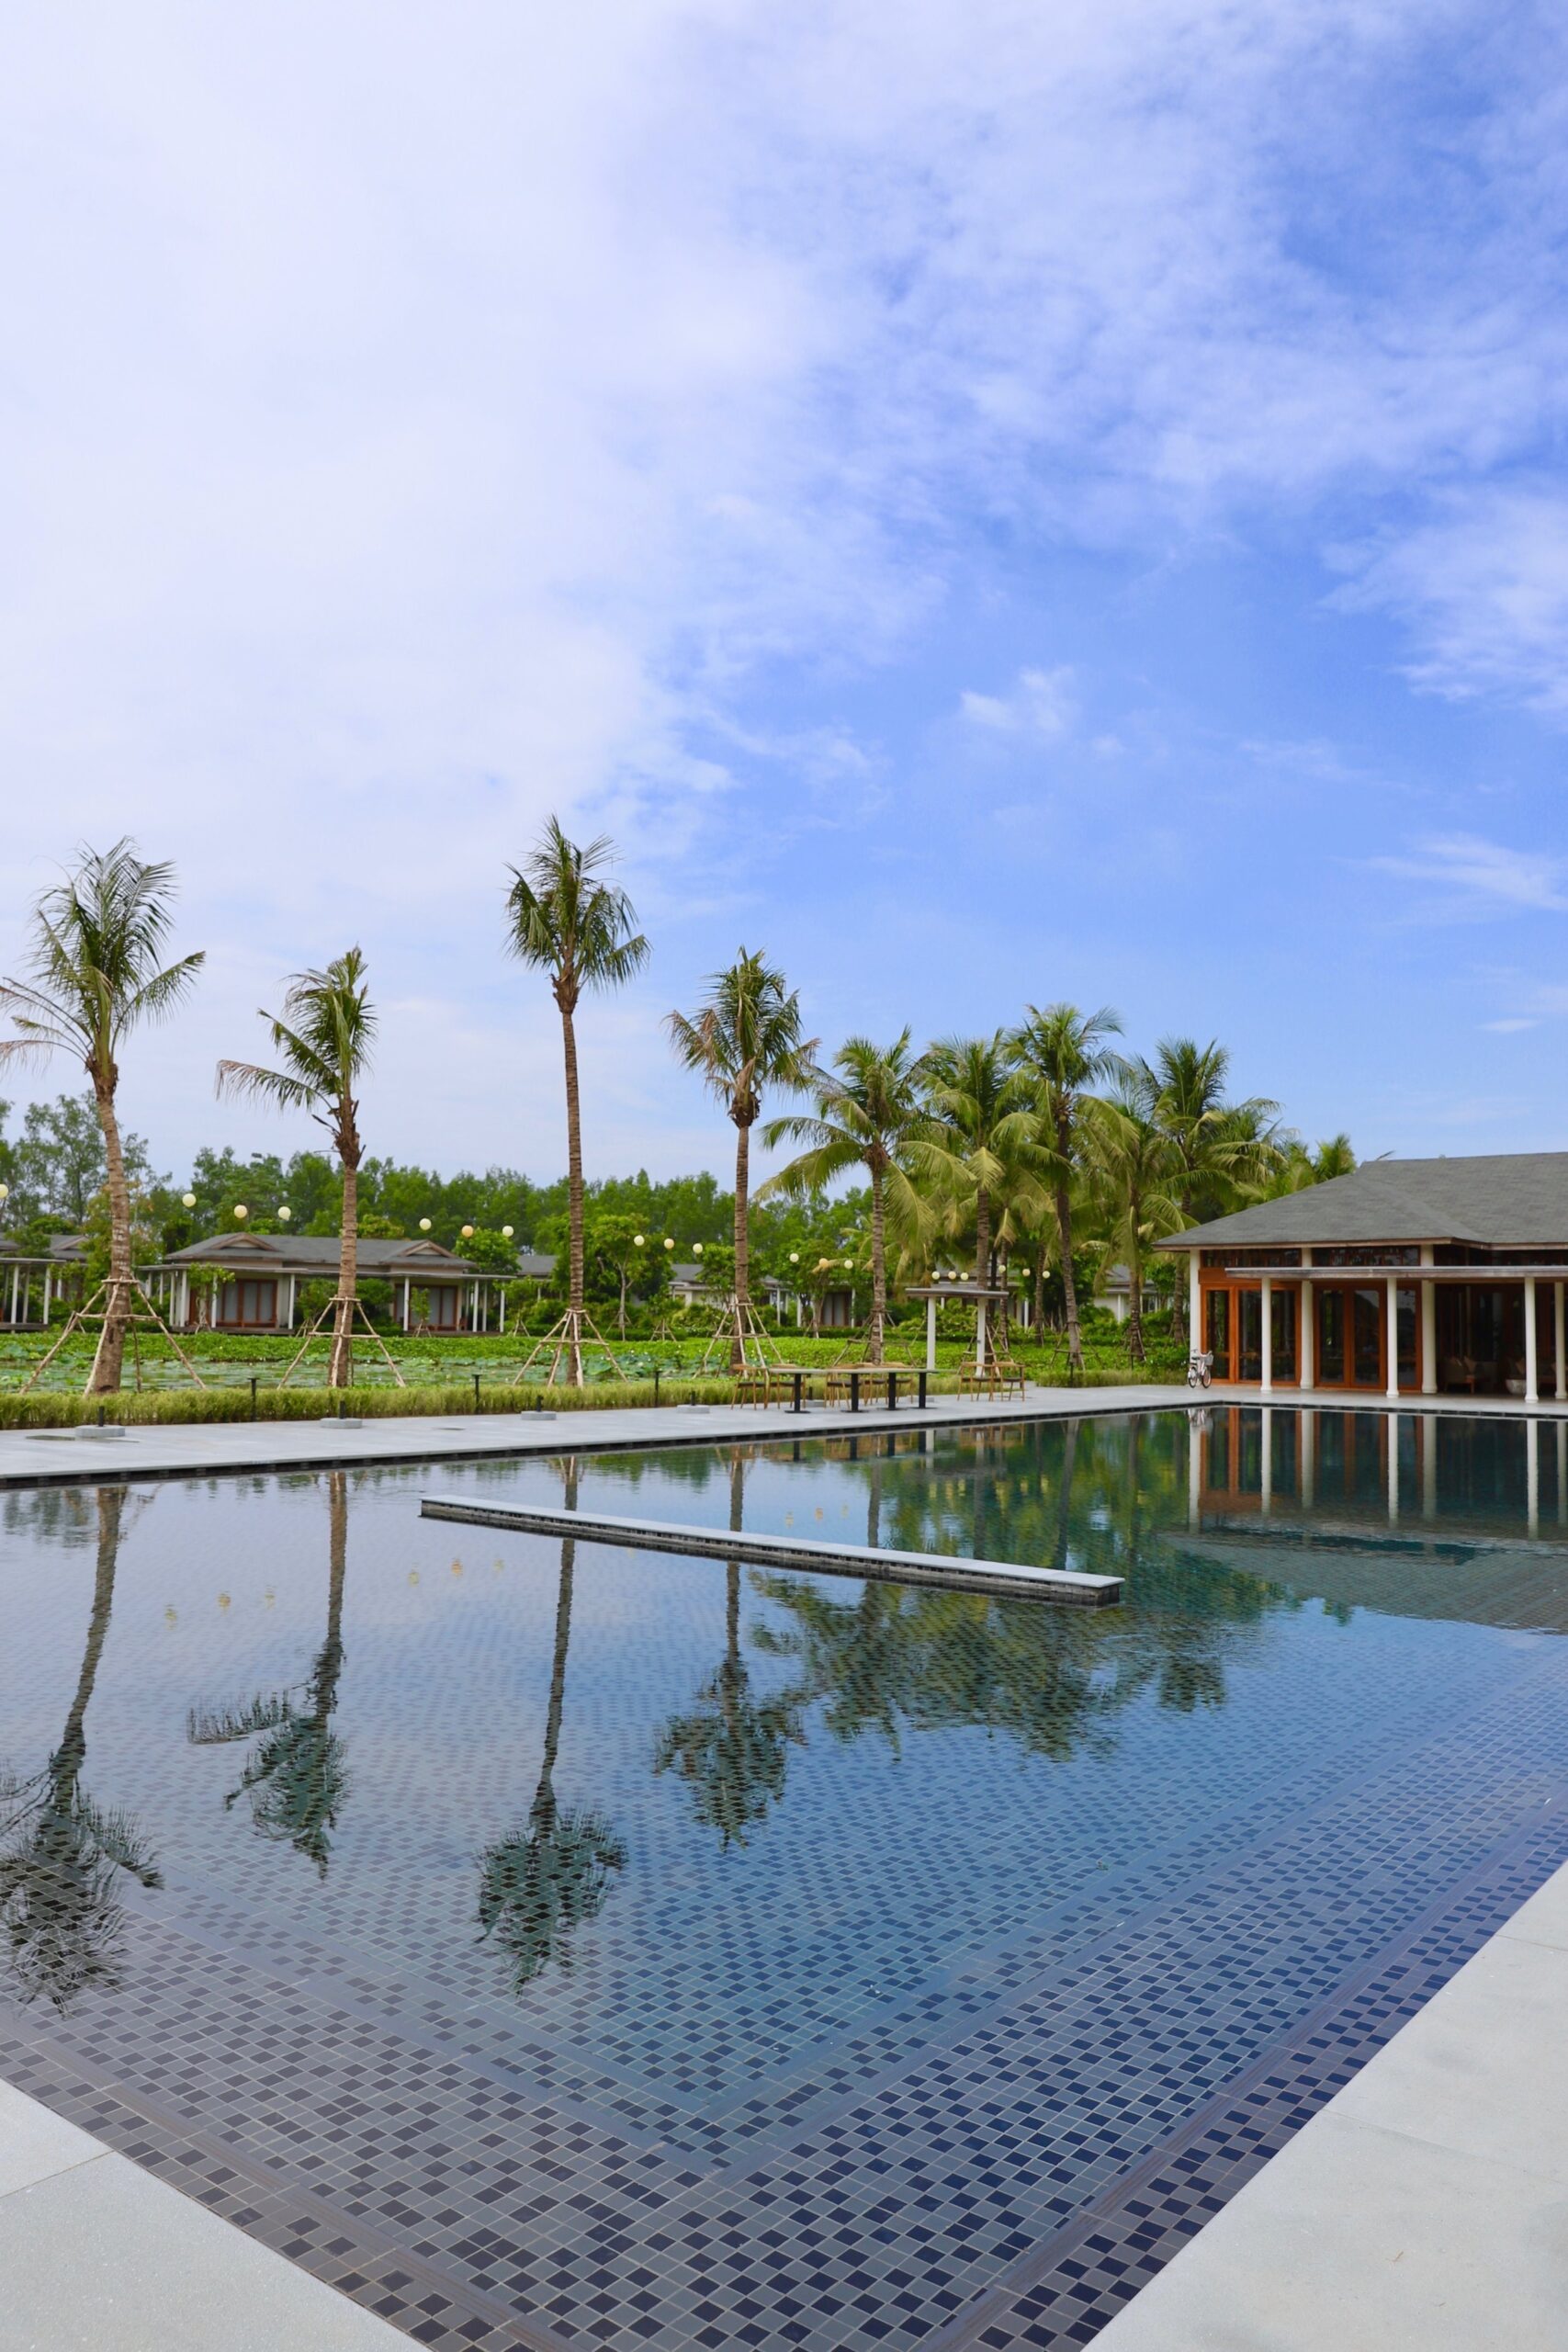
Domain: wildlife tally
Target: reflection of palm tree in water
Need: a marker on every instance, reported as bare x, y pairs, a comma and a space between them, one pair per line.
539, 1884
296, 1778
731, 1750
60, 1856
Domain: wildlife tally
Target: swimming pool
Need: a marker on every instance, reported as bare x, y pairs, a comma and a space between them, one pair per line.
553, 1944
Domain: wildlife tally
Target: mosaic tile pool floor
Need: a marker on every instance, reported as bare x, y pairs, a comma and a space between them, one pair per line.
551, 1945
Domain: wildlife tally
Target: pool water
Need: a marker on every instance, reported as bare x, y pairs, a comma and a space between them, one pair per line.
556, 1944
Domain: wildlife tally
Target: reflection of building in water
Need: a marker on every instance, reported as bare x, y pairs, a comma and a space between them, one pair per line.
1444, 1517
1407, 1277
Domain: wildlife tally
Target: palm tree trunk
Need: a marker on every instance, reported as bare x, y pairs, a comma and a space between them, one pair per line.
1136, 1348
573, 1202
742, 1241
109, 1359
340, 1370
879, 1270
1064, 1495
1070, 1287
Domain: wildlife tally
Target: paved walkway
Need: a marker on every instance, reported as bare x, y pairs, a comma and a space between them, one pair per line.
180, 1450
1424, 2208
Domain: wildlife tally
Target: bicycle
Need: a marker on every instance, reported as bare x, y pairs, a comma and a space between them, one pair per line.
1199, 1368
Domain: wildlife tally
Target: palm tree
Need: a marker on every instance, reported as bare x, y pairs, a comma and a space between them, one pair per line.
324, 1035
61, 1856
868, 1111
1136, 1164
1064, 1053
95, 973
1221, 1145
979, 1152
745, 1038
730, 1749
539, 1884
564, 918
296, 1779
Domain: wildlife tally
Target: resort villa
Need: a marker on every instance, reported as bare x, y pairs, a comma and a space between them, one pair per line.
1409, 1277
260, 1276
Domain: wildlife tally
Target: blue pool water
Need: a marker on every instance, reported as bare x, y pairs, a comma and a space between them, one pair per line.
553, 1944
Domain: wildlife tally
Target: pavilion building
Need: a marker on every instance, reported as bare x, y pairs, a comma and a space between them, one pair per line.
1407, 1277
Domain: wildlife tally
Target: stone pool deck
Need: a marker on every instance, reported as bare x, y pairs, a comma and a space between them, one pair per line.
1427, 2205
183, 1450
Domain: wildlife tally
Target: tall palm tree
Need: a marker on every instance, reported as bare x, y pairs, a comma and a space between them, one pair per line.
296, 1779
731, 1749
869, 1110
324, 1036
1221, 1145
61, 1856
539, 1884
94, 972
746, 1037
1136, 1166
979, 1151
1065, 1054
565, 918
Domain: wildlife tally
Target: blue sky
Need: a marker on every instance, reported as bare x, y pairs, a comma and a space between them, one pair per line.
992, 503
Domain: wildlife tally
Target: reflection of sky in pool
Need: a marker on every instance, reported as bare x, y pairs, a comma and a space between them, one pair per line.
648, 1951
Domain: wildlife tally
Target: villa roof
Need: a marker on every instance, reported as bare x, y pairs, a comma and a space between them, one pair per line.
310, 1254
60, 1249
317, 1253
1503, 1200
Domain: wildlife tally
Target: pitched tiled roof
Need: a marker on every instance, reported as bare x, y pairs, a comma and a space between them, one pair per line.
1507, 1201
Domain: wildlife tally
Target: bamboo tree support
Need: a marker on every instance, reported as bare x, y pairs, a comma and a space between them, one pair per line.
79, 1316
564, 1343
357, 1305
741, 1327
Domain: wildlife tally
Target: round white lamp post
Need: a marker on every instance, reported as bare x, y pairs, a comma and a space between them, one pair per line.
284, 1212
425, 1225
240, 1210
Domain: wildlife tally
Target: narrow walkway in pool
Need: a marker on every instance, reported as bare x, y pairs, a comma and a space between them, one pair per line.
551, 1948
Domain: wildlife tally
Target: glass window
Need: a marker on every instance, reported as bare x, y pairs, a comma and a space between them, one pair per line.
1218, 1328
1283, 1319
1249, 1334
1331, 1335
1366, 1337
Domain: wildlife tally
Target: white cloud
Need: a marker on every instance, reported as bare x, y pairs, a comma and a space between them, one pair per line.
1482, 590
408, 430
1474, 875
1041, 707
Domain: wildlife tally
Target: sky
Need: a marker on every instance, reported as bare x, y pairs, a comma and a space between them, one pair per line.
990, 503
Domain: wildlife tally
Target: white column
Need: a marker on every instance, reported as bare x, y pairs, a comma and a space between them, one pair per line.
1532, 1389
1266, 1362
1391, 1337
931, 1331
1194, 1470
501, 1306
1557, 1337
1429, 1329
1309, 1460
1195, 1302
1265, 1441
1306, 1345
979, 1335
